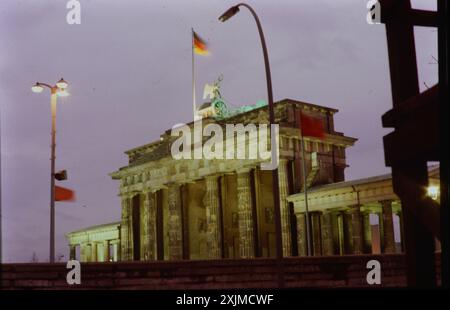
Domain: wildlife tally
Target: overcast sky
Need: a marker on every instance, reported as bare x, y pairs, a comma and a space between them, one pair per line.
129, 69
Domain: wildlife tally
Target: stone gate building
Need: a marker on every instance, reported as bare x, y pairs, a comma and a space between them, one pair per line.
223, 208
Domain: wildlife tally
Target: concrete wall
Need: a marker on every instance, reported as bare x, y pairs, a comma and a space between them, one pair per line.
332, 271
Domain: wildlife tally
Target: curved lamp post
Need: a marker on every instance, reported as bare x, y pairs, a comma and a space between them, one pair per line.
59, 89
276, 191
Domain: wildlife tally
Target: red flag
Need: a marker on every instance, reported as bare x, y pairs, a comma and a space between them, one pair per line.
64, 194
311, 126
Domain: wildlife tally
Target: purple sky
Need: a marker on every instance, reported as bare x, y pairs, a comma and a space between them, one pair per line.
129, 69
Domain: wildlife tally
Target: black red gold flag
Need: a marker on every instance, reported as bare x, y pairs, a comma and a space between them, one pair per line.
199, 45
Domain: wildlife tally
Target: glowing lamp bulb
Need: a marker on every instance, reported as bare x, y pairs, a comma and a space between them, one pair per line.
36, 88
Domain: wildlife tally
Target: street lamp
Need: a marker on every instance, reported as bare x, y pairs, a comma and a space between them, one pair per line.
57, 90
231, 12
275, 189
62, 84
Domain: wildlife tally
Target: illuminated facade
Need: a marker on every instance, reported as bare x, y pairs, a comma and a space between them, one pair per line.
223, 208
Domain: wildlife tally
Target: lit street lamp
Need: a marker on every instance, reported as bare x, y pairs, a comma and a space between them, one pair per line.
57, 90
275, 189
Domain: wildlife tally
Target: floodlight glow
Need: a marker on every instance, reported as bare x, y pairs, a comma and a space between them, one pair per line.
433, 192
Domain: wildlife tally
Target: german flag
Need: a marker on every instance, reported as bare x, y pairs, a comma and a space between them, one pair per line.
199, 45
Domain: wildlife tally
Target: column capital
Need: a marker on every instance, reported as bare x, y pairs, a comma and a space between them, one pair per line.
131, 194
243, 170
370, 209
397, 212
326, 211
386, 201
283, 161
152, 190
212, 177
125, 195
367, 212
355, 207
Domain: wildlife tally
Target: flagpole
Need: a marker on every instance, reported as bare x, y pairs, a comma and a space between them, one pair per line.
194, 107
308, 223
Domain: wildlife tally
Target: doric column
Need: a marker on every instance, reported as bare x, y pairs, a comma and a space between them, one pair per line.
375, 237
244, 196
94, 252
367, 232
316, 234
341, 232
174, 224
116, 253
72, 251
400, 219
284, 207
144, 213
125, 230
327, 234
379, 213
356, 219
152, 242
213, 232
106, 251
84, 252
388, 225
301, 234
148, 236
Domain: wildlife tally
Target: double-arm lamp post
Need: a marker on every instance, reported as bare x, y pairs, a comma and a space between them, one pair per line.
59, 89
275, 189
